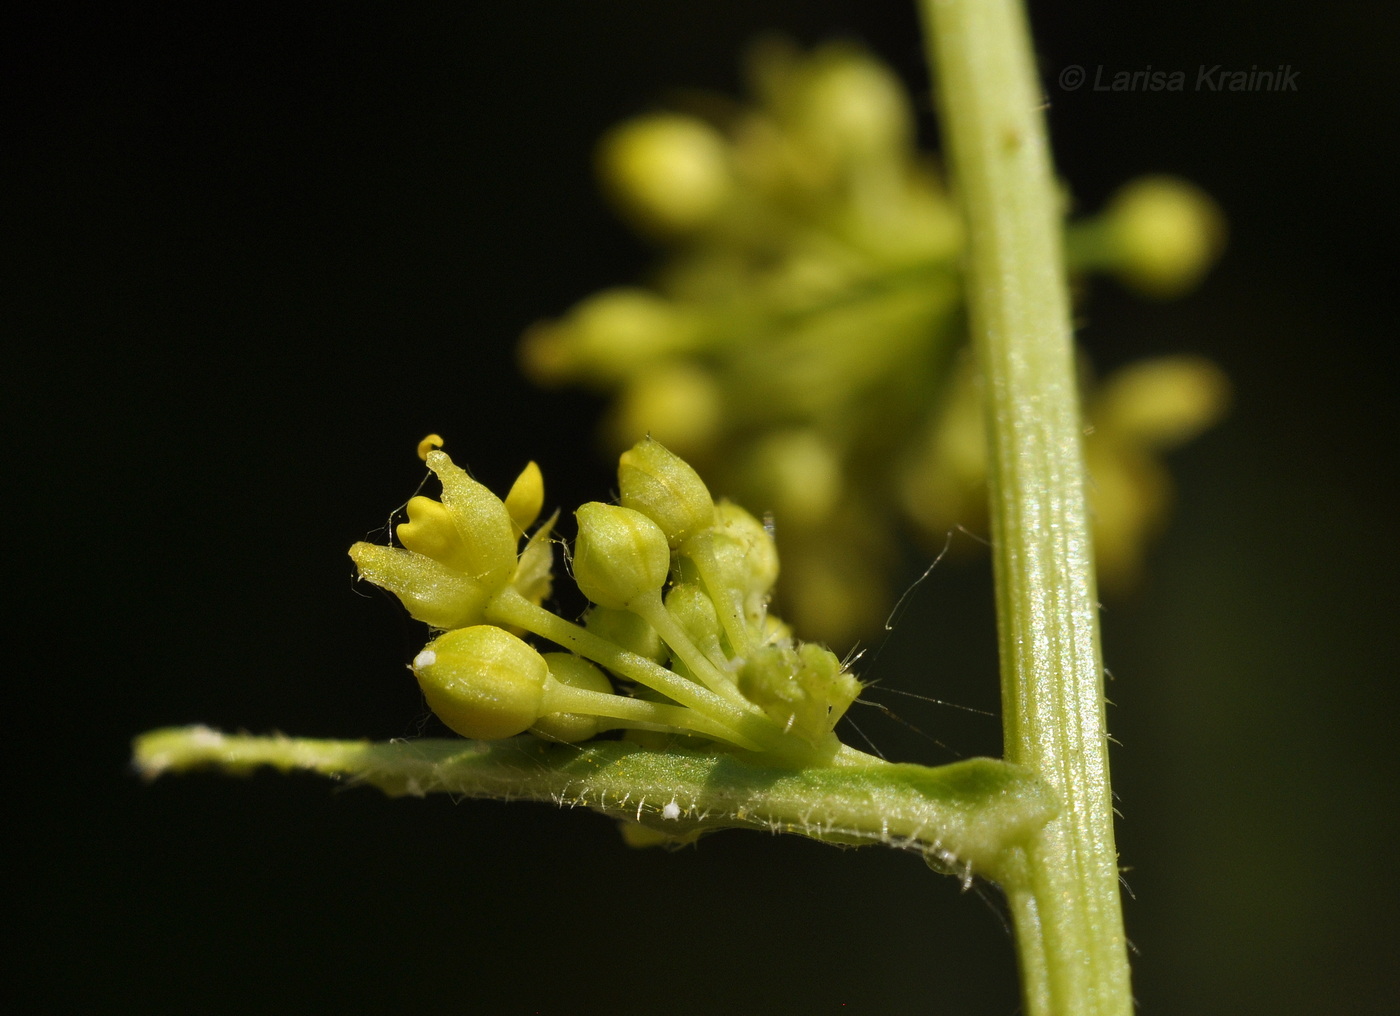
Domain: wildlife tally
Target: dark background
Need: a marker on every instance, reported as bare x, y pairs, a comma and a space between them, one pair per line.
256, 254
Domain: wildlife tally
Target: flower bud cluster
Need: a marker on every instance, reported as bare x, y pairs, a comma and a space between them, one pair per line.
680, 639
802, 343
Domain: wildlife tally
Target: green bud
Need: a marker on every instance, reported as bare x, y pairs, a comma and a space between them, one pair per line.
693, 610
659, 484
628, 631
482, 682
745, 550
620, 555
576, 672
670, 173
803, 688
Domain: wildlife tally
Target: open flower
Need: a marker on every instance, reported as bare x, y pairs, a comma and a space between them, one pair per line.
460, 552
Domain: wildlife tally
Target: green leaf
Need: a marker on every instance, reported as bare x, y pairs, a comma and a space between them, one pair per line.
968, 818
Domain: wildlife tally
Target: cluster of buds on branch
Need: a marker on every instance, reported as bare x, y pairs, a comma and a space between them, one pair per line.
679, 641
803, 341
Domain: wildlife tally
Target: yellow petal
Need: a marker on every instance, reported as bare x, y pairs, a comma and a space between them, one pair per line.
526, 498
488, 539
431, 591
431, 532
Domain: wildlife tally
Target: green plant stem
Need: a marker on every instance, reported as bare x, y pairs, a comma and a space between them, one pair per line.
1067, 911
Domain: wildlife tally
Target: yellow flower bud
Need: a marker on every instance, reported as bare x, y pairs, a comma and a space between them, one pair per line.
852, 107
606, 338
576, 672
1165, 234
670, 173
482, 682
620, 555
659, 484
1160, 403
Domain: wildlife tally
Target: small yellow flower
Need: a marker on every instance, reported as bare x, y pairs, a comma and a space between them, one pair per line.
461, 551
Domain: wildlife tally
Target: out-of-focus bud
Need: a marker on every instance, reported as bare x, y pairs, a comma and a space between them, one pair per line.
677, 403
801, 474
576, 672
663, 487
482, 682
606, 338
669, 173
1139, 411
1163, 234
852, 106
1161, 403
620, 555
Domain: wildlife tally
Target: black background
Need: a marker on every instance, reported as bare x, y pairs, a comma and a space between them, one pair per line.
255, 254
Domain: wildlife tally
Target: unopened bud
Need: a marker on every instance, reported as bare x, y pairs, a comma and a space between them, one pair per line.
852, 106
1161, 403
620, 555
670, 173
663, 487
693, 610
628, 631
482, 682
1165, 234
744, 549
606, 338
576, 672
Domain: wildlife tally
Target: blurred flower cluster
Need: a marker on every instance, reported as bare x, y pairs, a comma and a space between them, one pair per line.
679, 641
804, 344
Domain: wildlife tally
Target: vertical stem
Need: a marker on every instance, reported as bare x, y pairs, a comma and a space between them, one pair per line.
1067, 914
